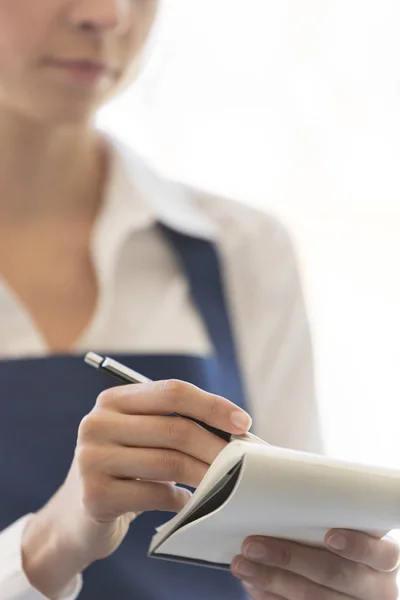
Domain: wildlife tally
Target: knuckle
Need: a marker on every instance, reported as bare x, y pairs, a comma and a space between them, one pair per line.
363, 581
335, 574
360, 579
106, 398
215, 404
269, 578
100, 501
87, 457
171, 389
174, 466
178, 431
86, 426
284, 557
95, 495
90, 426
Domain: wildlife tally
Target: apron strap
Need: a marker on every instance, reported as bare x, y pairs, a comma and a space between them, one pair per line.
201, 265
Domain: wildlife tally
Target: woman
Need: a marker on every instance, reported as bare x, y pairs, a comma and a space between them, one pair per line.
98, 252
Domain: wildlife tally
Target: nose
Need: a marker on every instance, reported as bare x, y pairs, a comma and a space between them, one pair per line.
102, 15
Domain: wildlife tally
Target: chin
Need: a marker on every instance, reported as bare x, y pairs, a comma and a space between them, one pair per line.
58, 114
55, 107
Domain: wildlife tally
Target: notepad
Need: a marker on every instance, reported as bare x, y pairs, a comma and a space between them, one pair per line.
256, 489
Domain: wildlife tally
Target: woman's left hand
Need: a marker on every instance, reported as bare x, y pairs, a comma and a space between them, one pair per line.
359, 567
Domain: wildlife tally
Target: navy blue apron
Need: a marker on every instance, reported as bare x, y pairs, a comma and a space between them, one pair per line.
42, 402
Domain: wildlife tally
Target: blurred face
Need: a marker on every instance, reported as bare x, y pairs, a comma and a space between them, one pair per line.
61, 59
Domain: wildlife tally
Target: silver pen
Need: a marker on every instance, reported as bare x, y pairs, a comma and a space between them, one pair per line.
125, 375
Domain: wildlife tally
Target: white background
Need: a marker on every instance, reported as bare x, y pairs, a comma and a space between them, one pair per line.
295, 107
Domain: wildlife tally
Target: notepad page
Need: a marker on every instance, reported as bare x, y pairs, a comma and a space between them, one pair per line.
292, 496
225, 461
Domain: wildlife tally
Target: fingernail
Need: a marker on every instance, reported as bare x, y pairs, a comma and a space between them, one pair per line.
241, 420
255, 550
337, 542
245, 568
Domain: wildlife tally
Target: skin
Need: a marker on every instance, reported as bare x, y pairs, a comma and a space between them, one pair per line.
46, 130
128, 452
366, 568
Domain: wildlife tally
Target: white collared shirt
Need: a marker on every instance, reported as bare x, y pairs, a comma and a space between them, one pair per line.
145, 306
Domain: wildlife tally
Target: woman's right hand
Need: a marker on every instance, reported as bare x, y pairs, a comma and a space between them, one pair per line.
128, 454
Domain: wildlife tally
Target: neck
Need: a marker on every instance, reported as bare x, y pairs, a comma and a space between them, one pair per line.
48, 171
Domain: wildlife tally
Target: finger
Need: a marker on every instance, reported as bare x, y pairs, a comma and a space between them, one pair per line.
152, 432
259, 594
148, 464
379, 554
318, 566
283, 584
173, 396
111, 498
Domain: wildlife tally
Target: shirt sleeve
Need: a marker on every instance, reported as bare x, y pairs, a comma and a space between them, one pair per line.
14, 584
278, 349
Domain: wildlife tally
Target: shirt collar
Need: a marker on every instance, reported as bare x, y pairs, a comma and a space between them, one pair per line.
137, 198
146, 197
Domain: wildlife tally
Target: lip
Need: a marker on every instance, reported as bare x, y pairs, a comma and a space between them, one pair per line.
85, 70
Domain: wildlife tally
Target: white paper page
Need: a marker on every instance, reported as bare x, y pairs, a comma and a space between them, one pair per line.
295, 496
226, 459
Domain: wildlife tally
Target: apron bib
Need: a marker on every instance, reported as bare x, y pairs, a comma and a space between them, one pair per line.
42, 402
